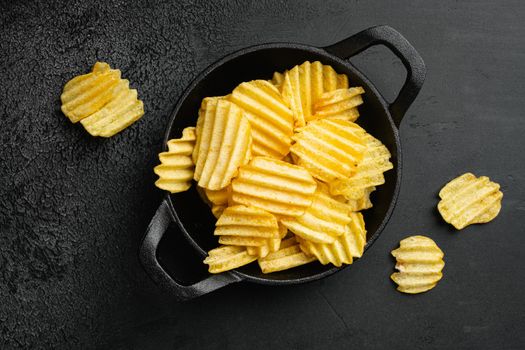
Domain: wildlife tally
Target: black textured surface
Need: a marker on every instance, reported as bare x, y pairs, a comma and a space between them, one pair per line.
73, 208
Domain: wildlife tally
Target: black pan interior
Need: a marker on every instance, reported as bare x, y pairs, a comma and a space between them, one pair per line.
194, 214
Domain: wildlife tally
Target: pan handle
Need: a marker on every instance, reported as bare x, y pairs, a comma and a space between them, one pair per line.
392, 39
148, 258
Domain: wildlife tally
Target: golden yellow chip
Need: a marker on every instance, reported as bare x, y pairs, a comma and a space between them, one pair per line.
275, 186
277, 79
324, 221
369, 171
219, 197
270, 117
176, 169
419, 262
303, 85
361, 203
119, 113
289, 255
340, 104
247, 221
270, 245
227, 258
223, 143
101, 101
330, 149
253, 228
217, 210
469, 200
86, 94
342, 251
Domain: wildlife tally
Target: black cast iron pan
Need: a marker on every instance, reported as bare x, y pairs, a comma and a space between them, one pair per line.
378, 117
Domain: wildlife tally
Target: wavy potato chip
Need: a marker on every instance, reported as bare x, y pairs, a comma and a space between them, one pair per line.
227, 258
346, 247
339, 104
270, 245
176, 169
275, 186
368, 173
223, 143
101, 101
244, 221
270, 117
419, 262
362, 203
253, 228
217, 210
330, 149
304, 84
322, 222
277, 79
289, 255
219, 197
469, 200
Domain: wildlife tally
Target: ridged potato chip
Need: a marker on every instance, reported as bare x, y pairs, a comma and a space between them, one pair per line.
176, 169
469, 200
340, 104
419, 262
271, 244
219, 197
369, 171
101, 101
322, 222
244, 221
346, 247
330, 149
223, 143
227, 258
304, 84
277, 79
361, 203
275, 186
217, 210
270, 117
289, 255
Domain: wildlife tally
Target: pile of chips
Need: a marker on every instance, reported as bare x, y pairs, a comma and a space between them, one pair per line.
284, 168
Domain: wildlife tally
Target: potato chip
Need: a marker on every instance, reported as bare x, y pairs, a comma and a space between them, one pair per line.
223, 142
419, 262
123, 110
324, 221
176, 169
227, 258
247, 221
289, 255
330, 149
361, 203
277, 79
303, 85
275, 186
271, 244
219, 197
86, 94
342, 251
217, 210
270, 118
101, 101
340, 104
469, 200
369, 171
253, 228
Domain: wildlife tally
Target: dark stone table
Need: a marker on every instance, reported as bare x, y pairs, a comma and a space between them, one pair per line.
73, 208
